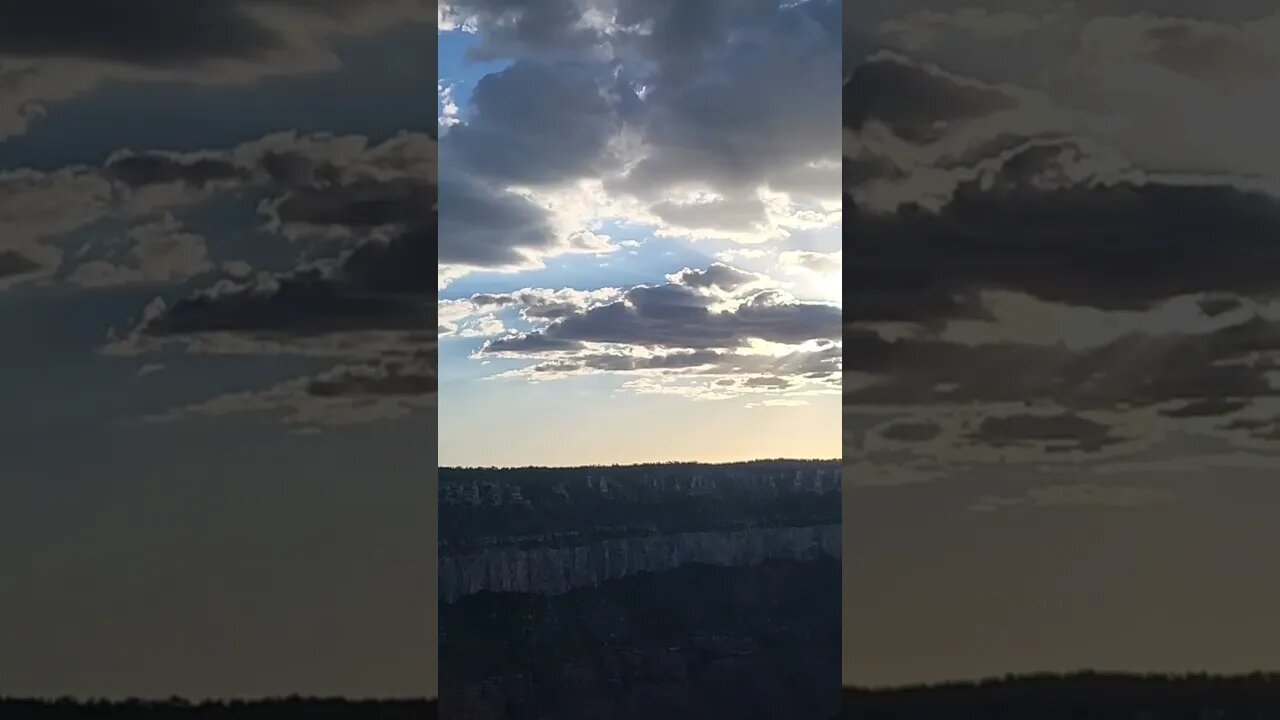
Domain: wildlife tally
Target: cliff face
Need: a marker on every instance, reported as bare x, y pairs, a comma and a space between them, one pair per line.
646, 591
759, 642
548, 531
556, 570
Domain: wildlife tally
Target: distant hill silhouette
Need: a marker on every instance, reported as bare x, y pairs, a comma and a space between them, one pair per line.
291, 708
1077, 696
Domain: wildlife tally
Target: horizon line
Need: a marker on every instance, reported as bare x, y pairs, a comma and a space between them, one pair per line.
1183, 676
212, 700
650, 463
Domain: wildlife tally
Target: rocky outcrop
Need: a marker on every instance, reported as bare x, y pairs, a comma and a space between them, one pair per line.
555, 570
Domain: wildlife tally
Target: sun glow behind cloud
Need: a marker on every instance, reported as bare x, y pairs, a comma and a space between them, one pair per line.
616, 169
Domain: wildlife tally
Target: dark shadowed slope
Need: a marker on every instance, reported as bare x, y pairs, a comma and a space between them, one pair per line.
273, 709
1094, 696
633, 592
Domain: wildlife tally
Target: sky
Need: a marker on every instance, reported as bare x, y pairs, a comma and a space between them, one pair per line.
219, 419
640, 232
1062, 327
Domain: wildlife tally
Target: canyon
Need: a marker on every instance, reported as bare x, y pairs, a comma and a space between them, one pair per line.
672, 590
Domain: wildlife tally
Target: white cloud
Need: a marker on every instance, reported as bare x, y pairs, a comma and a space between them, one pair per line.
162, 251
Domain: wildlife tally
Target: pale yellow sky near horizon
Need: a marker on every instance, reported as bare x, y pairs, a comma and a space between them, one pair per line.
628, 429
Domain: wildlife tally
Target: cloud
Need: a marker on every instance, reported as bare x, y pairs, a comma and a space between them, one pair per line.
860, 474
345, 233
916, 102
532, 123
534, 305
382, 284
162, 251
1077, 496
485, 227
57, 50
1135, 370
345, 395
1213, 52
1054, 433
38, 208
15, 265
911, 431
361, 216
1031, 281
449, 109
919, 29
814, 262
682, 314
367, 187
1171, 86
711, 333
1200, 465
688, 122
621, 113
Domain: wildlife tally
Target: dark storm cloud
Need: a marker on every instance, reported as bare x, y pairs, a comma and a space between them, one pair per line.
1258, 429
316, 187
293, 170
58, 50
382, 285
143, 170
168, 33
684, 37
361, 205
352, 393
533, 123
300, 304
307, 171
145, 32
485, 227
1135, 370
1220, 54
1016, 204
1208, 407
13, 264
724, 97
911, 432
400, 266
676, 315
677, 35
380, 201
859, 171
1058, 433
1213, 306
914, 102
515, 28
1123, 246
751, 113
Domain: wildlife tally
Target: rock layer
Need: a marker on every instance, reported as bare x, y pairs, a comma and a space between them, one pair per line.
556, 570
